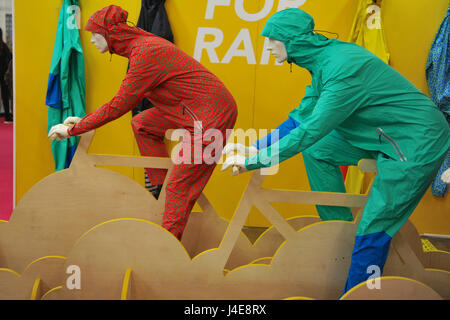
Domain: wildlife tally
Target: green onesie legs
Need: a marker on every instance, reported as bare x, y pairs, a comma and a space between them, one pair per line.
396, 191
322, 161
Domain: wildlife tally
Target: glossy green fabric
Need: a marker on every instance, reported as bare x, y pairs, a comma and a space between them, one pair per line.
371, 107
66, 84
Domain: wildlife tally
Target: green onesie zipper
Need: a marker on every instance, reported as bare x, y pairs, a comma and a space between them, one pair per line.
383, 134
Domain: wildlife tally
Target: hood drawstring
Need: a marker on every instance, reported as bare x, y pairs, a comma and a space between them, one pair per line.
337, 34
290, 64
110, 59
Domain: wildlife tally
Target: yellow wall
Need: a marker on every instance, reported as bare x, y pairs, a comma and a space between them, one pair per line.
35, 30
264, 93
411, 27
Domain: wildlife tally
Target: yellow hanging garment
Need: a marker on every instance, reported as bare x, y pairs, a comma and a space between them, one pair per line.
368, 32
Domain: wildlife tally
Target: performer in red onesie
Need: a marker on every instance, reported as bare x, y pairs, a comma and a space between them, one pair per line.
184, 94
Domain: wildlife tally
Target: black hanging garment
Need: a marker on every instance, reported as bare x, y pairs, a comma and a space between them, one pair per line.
153, 18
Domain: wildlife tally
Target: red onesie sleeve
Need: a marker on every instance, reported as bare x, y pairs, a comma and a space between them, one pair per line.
142, 76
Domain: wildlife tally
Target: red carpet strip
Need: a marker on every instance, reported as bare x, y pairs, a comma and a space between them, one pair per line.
6, 170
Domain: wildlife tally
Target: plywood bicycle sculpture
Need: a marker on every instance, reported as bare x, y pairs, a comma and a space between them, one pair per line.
108, 226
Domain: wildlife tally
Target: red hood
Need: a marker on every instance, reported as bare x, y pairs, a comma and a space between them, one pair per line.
111, 23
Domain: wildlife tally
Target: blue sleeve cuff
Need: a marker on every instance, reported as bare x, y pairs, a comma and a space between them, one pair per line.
281, 131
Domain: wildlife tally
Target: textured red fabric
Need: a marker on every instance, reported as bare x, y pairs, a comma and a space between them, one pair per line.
149, 128
181, 90
186, 181
185, 185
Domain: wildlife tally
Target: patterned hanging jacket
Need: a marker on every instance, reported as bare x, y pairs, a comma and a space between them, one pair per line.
438, 79
181, 88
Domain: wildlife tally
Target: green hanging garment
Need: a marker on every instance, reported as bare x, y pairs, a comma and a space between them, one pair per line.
66, 83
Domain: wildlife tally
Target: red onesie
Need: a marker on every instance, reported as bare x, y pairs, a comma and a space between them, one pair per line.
182, 92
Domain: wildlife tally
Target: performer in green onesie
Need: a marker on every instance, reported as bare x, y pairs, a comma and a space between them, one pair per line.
356, 107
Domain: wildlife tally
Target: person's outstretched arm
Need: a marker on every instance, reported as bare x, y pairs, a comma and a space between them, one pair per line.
338, 100
143, 75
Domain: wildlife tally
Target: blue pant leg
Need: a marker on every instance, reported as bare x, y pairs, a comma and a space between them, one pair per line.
369, 253
396, 192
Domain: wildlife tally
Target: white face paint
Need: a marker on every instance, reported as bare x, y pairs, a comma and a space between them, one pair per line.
278, 50
100, 42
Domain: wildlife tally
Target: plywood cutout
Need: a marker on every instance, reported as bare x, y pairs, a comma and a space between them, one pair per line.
298, 265
38, 277
8, 285
64, 205
163, 270
296, 269
392, 288
404, 261
431, 259
132, 257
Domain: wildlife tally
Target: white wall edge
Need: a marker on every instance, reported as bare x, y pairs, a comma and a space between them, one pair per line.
14, 101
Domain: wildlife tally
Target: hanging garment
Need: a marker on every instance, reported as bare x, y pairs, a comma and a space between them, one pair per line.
368, 32
437, 71
185, 96
153, 18
66, 83
9, 85
357, 107
367, 29
5, 61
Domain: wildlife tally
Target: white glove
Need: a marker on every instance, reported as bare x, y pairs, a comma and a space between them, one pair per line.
230, 147
446, 176
238, 163
71, 121
58, 132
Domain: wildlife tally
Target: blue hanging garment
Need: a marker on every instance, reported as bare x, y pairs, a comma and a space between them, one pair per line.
437, 72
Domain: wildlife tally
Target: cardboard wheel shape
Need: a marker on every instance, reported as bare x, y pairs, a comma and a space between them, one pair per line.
39, 276
391, 288
156, 259
314, 264
9, 280
403, 261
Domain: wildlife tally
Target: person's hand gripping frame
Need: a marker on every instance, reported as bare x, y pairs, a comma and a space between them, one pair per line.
236, 159
60, 131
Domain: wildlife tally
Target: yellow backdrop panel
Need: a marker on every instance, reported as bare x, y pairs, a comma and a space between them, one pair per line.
410, 29
265, 92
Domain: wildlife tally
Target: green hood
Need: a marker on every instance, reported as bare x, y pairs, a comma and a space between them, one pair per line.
295, 28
